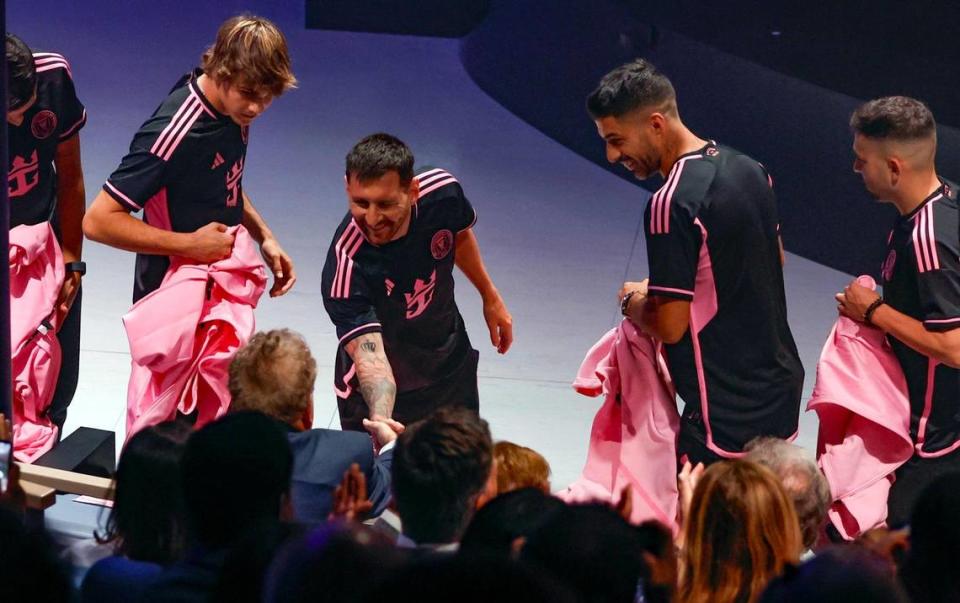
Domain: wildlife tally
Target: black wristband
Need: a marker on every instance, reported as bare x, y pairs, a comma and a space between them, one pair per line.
78, 267
871, 309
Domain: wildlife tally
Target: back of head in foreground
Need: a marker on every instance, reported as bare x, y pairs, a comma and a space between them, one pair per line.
801, 478
591, 548
741, 532
442, 469
846, 573
236, 473
147, 520
502, 524
274, 374
929, 572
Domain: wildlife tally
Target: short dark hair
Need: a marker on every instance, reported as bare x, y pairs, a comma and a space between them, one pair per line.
899, 118
235, 473
378, 154
146, 522
631, 86
274, 374
575, 544
440, 467
21, 73
507, 517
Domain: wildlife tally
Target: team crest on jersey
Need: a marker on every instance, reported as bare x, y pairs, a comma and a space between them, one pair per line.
43, 124
712, 151
23, 175
887, 269
441, 244
421, 297
233, 183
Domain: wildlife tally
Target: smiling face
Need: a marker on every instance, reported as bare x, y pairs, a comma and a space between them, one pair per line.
634, 140
242, 102
381, 207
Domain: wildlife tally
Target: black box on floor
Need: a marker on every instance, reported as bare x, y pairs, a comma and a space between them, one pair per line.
86, 450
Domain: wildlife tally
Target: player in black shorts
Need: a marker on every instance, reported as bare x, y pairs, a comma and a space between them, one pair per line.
388, 287
185, 165
45, 183
895, 142
715, 293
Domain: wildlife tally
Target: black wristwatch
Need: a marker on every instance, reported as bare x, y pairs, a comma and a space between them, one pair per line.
79, 267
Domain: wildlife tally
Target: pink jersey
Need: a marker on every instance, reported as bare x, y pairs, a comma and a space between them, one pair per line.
184, 334
633, 438
36, 277
861, 400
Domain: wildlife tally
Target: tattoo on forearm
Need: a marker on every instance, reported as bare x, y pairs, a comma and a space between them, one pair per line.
377, 385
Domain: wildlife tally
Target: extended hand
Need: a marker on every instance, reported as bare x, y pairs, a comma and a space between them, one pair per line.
280, 264
383, 430
855, 300
66, 297
640, 288
210, 243
686, 484
499, 322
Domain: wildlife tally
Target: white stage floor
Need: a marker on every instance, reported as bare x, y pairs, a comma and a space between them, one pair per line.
555, 230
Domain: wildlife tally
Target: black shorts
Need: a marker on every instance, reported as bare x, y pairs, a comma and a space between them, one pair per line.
458, 389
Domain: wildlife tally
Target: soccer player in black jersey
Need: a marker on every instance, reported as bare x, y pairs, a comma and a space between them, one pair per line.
388, 288
715, 294
185, 165
45, 183
895, 142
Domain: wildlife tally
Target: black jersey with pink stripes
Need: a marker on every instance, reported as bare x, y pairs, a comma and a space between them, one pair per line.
55, 117
184, 170
403, 289
712, 234
921, 278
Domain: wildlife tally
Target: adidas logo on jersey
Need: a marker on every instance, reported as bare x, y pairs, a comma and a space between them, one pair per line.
217, 162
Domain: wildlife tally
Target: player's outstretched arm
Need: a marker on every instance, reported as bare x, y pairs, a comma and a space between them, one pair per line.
276, 258
377, 385
495, 312
107, 222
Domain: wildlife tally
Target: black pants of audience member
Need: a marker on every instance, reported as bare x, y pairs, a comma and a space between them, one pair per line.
912, 477
459, 389
69, 337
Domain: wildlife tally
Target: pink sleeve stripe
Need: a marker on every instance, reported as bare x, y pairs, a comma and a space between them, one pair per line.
471, 223
121, 197
426, 191
75, 127
439, 175
943, 321
350, 334
181, 122
670, 290
924, 240
345, 392
345, 248
428, 173
55, 65
660, 206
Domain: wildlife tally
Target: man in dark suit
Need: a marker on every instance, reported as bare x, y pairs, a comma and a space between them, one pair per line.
274, 374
